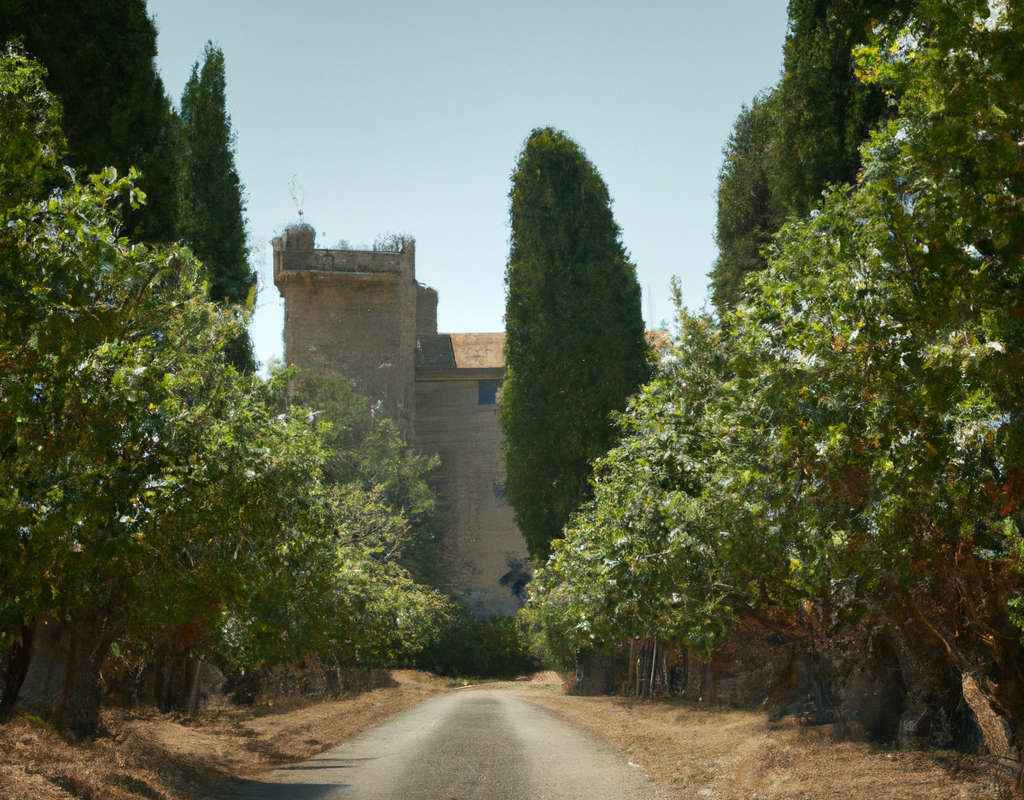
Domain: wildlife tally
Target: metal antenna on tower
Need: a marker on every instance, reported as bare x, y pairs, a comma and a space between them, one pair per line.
297, 192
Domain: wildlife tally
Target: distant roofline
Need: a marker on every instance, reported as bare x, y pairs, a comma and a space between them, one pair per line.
469, 333
459, 373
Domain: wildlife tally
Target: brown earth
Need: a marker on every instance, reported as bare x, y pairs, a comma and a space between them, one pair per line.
723, 754
155, 756
696, 753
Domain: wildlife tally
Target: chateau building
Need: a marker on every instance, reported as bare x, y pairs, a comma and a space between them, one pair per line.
363, 314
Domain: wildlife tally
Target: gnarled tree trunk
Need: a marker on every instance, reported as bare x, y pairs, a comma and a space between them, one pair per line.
15, 665
62, 681
177, 669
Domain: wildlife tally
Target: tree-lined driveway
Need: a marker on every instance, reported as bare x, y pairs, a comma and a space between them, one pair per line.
475, 744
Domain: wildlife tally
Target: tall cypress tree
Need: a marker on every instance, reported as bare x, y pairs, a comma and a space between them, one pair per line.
826, 112
575, 347
805, 134
213, 210
749, 209
100, 60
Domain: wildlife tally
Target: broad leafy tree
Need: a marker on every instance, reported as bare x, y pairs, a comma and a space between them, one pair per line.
146, 482
575, 347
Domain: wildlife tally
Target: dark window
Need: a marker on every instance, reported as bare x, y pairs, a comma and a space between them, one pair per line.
487, 393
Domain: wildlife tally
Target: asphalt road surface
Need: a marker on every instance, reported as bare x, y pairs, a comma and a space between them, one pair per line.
475, 744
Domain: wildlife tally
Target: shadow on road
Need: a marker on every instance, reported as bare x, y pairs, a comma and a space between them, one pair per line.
261, 790
248, 789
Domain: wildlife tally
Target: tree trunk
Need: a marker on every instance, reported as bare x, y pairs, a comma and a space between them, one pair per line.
15, 667
193, 695
176, 670
62, 680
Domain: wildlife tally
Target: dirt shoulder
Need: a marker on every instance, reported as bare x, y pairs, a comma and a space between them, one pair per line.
161, 757
722, 754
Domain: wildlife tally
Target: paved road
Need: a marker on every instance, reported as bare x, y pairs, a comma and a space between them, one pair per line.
474, 744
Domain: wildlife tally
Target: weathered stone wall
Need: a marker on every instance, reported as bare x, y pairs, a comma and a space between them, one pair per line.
746, 672
343, 261
483, 545
426, 311
304, 681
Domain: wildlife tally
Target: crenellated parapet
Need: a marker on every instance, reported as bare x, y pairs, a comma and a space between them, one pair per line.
353, 312
296, 257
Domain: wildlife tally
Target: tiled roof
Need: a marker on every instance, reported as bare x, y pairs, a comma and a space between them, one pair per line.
658, 339
461, 351
479, 350
435, 352
482, 350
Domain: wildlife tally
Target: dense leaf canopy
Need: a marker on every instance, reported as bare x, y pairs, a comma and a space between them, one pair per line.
748, 205
825, 113
800, 137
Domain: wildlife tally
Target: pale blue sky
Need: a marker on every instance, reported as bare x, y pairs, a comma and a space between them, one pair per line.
408, 117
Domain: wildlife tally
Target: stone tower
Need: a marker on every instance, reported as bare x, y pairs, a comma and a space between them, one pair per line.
364, 315
353, 312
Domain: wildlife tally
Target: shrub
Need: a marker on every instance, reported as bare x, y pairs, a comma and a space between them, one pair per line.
487, 648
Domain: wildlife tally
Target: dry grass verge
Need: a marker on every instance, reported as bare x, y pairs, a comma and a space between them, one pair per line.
152, 756
722, 754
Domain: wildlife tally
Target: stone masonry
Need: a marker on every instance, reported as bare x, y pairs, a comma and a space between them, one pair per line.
363, 314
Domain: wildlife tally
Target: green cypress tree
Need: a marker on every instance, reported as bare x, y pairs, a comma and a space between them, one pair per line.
213, 213
826, 112
100, 62
575, 347
749, 210
802, 136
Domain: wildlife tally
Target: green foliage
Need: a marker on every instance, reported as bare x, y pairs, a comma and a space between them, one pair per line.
146, 483
366, 447
32, 141
337, 596
465, 646
826, 113
646, 556
804, 135
575, 347
115, 404
850, 440
367, 450
100, 62
552, 639
213, 207
749, 212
